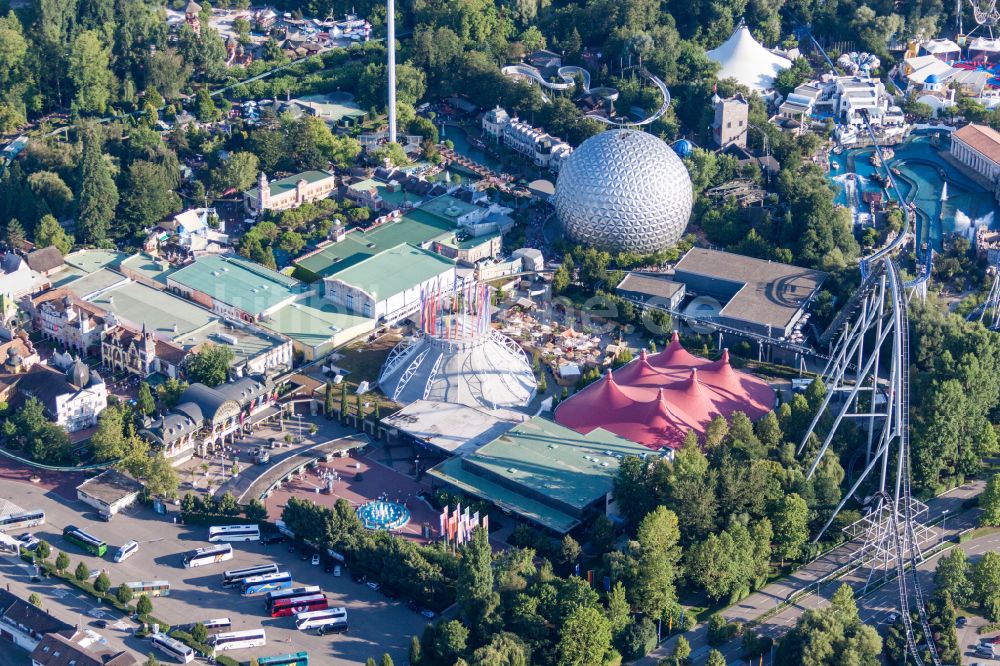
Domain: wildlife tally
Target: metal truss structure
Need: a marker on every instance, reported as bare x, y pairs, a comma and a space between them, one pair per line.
989, 311
867, 380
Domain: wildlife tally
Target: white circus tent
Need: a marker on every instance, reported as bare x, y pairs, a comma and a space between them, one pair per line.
744, 59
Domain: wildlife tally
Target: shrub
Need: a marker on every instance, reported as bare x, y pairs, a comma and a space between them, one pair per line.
638, 639
719, 631
62, 562
102, 584
123, 594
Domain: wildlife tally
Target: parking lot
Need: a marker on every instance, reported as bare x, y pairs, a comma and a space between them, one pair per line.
377, 624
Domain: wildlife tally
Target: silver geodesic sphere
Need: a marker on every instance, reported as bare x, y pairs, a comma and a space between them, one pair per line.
624, 190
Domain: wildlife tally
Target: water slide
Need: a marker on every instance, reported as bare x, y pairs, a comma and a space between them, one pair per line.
569, 75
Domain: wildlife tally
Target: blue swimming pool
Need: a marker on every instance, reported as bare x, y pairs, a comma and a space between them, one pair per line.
947, 201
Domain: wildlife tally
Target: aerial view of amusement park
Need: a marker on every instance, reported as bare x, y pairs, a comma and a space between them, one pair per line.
495, 332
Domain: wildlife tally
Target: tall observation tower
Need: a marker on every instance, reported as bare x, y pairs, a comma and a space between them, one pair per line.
391, 43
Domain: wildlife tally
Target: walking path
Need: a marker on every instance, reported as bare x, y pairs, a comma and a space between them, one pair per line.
817, 574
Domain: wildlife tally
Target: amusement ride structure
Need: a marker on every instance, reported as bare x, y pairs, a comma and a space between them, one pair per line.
867, 379
457, 356
572, 76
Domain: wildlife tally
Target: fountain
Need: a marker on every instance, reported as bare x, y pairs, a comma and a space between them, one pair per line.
383, 514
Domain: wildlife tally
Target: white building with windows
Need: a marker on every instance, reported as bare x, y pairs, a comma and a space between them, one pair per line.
541, 148
389, 286
978, 147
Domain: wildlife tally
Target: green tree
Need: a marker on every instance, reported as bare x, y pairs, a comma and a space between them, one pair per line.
204, 106
952, 576
791, 527
145, 402
986, 584
584, 639
239, 171
81, 572
35, 600
109, 441
392, 153
831, 636
618, 610
161, 479
569, 551
144, 606
255, 511
170, 392
328, 400
450, 641
228, 506
416, 655
199, 632
62, 561
90, 72
123, 594
15, 235
990, 502
715, 658
656, 562
98, 195
102, 583
49, 233
682, 650
476, 598
505, 649
54, 193
210, 366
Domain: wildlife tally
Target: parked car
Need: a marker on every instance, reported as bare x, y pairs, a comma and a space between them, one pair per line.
315, 559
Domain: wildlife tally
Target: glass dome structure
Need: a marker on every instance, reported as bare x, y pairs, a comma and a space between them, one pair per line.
624, 190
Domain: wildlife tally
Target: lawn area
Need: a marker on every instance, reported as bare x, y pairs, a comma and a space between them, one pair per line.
363, 361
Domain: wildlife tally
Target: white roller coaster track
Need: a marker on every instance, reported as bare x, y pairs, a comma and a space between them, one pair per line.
568, 75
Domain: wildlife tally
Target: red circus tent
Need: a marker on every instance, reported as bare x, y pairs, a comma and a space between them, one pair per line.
655, 400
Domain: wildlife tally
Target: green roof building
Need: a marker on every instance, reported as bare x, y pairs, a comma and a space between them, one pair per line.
415, 228
234, 287
317, 326
388, 286
543, 472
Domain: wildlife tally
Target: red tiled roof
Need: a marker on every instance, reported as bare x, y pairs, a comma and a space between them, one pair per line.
984, 140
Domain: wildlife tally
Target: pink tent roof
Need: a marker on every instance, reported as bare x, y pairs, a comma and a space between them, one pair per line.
675, 355
588, 408
641, 373
655, 400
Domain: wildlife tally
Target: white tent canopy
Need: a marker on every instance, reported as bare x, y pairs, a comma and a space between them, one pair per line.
744, 59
